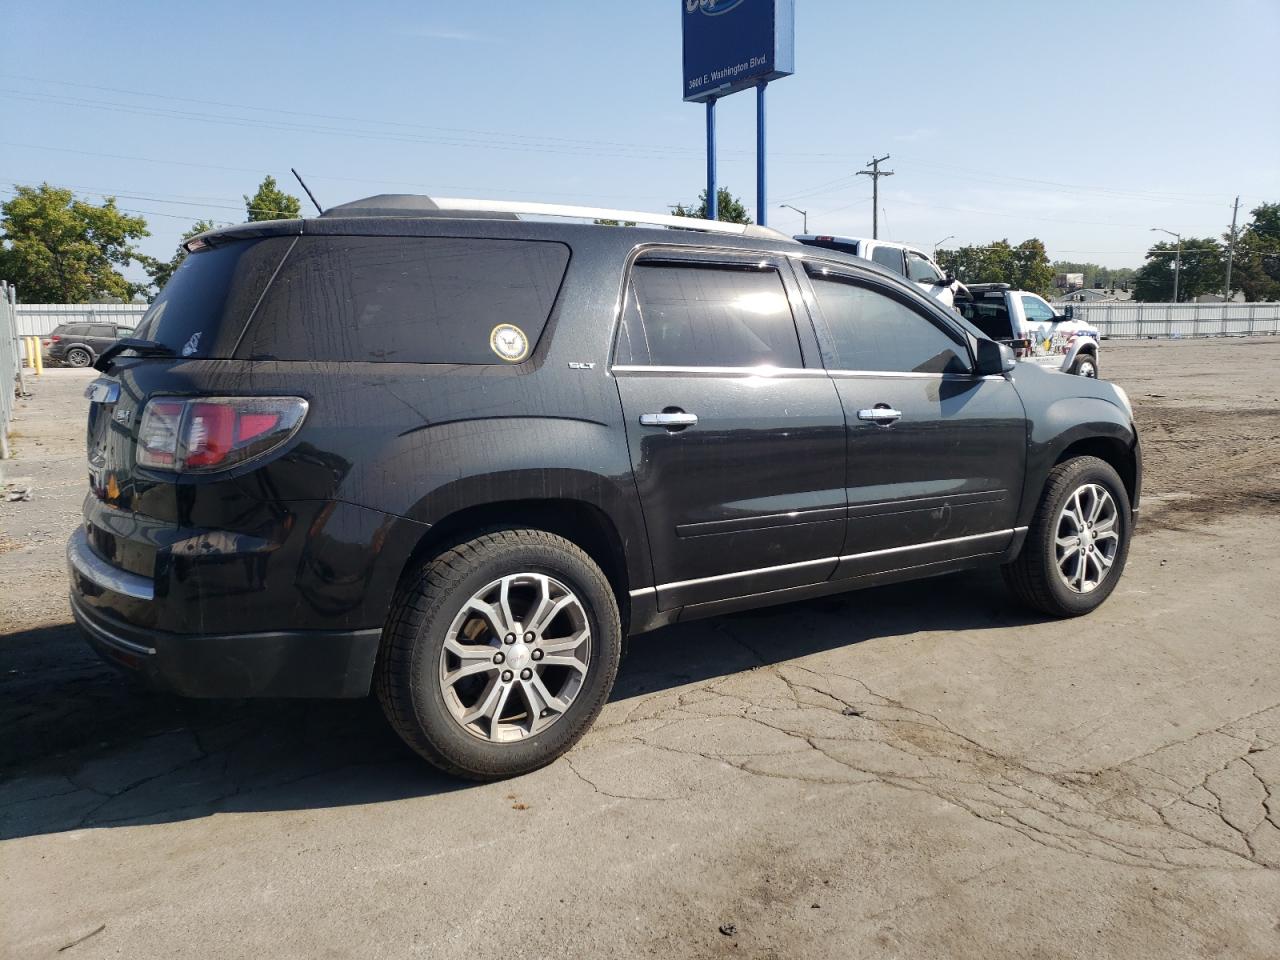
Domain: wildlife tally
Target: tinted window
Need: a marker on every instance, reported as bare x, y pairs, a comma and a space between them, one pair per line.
705, 316
890, 257
202, 310
872, 331
102, 330
989, 316
405, 299
76, 330
920, 269
1036, 309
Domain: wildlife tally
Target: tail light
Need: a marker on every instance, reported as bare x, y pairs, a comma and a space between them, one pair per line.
53, 339
207, 434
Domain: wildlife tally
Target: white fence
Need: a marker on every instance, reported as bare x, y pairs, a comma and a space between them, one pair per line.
39, 319
1129, 319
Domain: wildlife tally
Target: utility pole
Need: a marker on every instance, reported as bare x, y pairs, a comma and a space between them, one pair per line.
1177, 263
875, 173
1231, 252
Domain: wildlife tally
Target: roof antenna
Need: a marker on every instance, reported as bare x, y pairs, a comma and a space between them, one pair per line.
308, 189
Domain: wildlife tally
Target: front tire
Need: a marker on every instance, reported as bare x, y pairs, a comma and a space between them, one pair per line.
1078, 542
499, 653
1086, 365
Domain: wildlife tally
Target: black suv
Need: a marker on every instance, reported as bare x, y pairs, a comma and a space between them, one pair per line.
80, 344
456, 454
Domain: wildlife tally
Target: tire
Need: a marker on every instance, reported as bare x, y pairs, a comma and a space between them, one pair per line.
79, 357
1086, 365
1038, 576
423, 629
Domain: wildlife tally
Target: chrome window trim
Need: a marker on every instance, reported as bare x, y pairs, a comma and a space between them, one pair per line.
96, 570
763, 371
645, 591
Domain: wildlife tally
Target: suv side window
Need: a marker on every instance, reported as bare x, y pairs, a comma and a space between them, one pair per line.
707, 315
104, 330
920, 270
1036, 309
406, 299
890, 257
76, 330
872, 331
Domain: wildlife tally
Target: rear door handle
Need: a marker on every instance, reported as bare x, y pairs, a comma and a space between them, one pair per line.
882, 414
671, 419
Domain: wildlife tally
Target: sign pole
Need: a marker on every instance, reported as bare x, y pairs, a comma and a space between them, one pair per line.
713, 212
761, 205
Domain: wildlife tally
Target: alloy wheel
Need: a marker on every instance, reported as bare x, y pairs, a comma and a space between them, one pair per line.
515, 657
1087, 537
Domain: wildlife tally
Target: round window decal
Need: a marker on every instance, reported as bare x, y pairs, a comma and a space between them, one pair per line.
509, 342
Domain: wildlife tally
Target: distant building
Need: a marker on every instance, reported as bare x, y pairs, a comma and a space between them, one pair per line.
1093, 296
1069, 281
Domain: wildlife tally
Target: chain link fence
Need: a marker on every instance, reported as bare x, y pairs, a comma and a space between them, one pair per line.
1174, 320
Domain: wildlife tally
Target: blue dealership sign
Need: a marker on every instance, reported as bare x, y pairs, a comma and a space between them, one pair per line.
730, 45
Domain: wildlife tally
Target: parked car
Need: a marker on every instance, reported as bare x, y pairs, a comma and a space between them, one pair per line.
456, 456
916, 265
79, 344
1037, 332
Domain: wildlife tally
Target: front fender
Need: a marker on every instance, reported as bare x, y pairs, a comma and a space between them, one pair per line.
1056, 426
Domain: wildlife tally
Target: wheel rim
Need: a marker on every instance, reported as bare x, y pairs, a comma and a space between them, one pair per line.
78, 358
1087, 538
515, 657
1087, 369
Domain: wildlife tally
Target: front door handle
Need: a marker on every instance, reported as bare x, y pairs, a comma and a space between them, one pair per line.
882, 414
671, 419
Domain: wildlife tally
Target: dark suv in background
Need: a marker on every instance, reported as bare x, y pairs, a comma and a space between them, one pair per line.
79, 344
455, 454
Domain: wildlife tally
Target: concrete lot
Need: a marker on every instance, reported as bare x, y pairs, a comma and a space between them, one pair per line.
916, 771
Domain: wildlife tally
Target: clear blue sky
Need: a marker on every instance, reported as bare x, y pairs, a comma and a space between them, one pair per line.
1084, 124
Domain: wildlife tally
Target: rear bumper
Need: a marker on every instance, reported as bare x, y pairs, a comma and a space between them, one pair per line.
281, 663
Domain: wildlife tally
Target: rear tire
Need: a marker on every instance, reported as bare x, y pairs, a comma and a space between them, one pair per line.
1086, 365
448, 653
78, 357
1084, 502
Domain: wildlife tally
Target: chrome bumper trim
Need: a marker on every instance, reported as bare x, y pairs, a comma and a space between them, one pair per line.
84, 561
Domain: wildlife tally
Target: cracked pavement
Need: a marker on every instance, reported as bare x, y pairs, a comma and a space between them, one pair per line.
918, 770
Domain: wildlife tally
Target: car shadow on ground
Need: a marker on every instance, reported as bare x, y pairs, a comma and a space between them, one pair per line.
85, 747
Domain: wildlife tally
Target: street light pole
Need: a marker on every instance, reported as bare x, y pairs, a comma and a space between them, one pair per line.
803, 213
1177, 263
940, 243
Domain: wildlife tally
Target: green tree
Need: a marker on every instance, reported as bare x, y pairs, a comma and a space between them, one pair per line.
58, 249
161, 270
1255, 269
1024, 267
1204, 265
271, 203
728, 208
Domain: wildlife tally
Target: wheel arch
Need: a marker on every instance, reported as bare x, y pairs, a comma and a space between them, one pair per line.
582, 523
1111, 450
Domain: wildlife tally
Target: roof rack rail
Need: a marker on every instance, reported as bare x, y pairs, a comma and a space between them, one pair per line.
521, 207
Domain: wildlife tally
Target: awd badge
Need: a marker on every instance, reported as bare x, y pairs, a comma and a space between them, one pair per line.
509, 342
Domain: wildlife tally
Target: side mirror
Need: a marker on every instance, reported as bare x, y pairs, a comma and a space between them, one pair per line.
1068, 311
994, 359
950, 278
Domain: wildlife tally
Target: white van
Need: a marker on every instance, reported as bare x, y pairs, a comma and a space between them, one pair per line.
910, 262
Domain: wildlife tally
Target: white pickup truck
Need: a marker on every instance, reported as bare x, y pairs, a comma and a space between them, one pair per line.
910, 262
1035, 331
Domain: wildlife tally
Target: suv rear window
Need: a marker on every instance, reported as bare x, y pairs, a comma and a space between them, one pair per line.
405, 299
202, 310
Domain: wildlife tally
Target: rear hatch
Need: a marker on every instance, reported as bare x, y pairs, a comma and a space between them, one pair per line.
198, 316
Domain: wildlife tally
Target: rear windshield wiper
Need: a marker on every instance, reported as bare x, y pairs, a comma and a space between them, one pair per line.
143, 348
